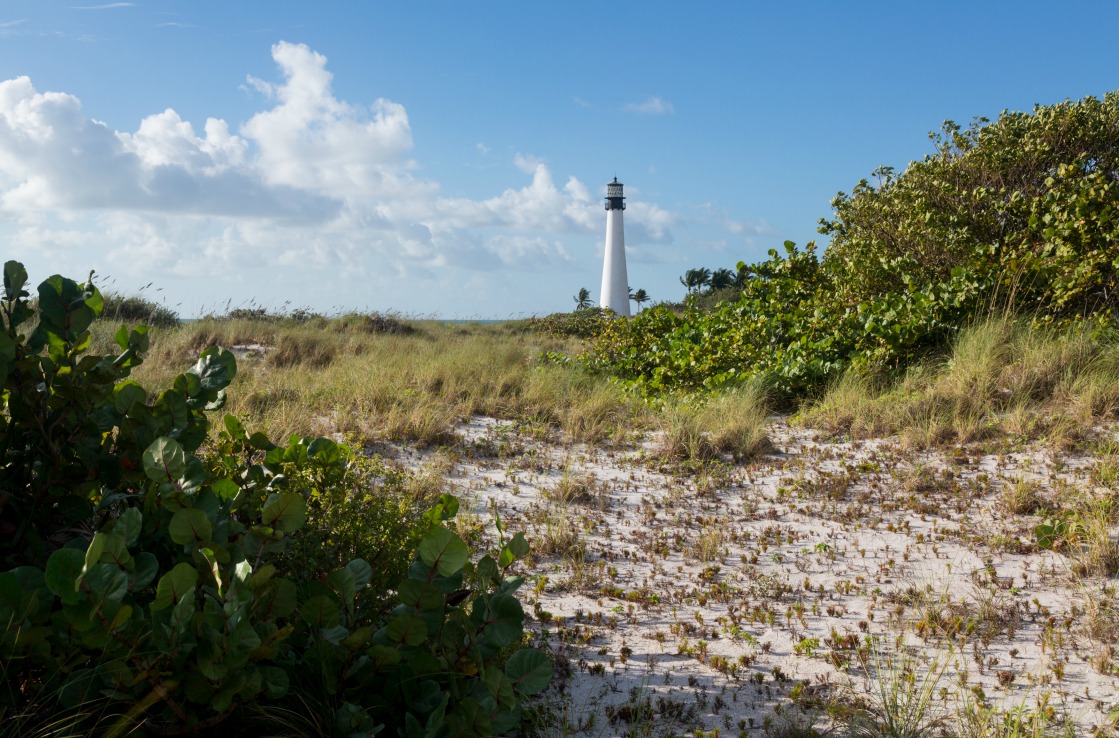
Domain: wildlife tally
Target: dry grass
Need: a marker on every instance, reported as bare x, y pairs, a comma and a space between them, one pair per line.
1021, 496
416, 384
1001, 377
733, 423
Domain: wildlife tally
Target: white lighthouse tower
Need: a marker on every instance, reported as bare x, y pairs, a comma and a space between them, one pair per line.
615, 283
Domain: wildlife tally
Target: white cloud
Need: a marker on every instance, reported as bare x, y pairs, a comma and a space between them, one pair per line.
314, 141
652, 105
527, 164
308, 184
540, 206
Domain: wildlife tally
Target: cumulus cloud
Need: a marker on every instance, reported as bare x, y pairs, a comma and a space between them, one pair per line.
312, 140
652, 105
308, 182
53, 157
539, 206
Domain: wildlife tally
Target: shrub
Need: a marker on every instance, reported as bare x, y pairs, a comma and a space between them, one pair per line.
583, 323
135, 309
1017, 215
149, 574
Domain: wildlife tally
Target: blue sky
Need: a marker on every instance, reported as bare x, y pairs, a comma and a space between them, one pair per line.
450, 158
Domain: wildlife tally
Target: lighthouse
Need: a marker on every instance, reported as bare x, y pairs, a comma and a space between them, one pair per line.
615, 283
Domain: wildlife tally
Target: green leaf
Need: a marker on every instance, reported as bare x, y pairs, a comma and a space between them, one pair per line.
515, 549
234, 427
64, 568
500, 687
286, 511
93, 552
407, 629
261, 442
126, 394
361, 572
215, 569
529, 670
275, 681
15, 277
225, 489
450, 506
107, 585
173, 585
504, 621
486, 570
147, 566
129, 525
277, 599
164, 460
108, 548
420, 595
324, 451
320, 611
190, 525
215, 369
342, 582
121, 338
444, 550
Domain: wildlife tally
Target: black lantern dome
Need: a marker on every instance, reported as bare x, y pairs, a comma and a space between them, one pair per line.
614, 199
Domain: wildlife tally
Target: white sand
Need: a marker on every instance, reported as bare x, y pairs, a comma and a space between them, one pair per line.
694, 601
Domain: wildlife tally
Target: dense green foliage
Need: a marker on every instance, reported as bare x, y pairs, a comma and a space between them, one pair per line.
137, 310
1021, 214
154, 580
584, 322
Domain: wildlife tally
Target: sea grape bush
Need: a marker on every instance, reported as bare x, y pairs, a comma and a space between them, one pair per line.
151, 575
785, 327
584, 322
1021, 214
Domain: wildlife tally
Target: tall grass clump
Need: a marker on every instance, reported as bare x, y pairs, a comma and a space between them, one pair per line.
732, 423
902, 698
1002, 376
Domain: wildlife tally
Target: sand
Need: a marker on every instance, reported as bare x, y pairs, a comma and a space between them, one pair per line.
682, 598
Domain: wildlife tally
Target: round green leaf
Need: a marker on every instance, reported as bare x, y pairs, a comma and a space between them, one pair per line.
64, 567
444, 550
407, 629
420, 595
286, 512
129, 524
504, 621
126, 394
190, 525
529, 670
342, 582
164, 460
173, 585
361, 571
278, 599
320, 611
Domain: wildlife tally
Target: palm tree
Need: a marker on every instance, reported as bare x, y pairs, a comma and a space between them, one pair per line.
640, 297
696, 279
721, 278
583, 299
